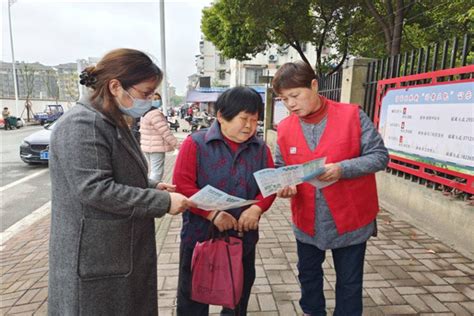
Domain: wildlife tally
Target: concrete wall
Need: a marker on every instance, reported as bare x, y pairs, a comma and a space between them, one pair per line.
448, 219
38, 105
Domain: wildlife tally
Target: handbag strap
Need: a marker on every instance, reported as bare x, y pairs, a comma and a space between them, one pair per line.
214, 233
231, 275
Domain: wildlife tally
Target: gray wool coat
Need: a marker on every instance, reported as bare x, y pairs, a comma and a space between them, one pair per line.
102, 256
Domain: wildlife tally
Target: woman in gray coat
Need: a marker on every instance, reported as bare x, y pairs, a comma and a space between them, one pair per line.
102, 258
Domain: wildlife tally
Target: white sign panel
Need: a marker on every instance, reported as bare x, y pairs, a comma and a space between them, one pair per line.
431, 124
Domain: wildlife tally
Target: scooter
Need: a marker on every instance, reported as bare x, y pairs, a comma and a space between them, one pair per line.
198, 122
174, 125
259, 129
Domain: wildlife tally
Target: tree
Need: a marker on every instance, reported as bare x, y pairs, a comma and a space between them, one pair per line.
51, 82
242, 28
176, 100
371, 28
389, 16
424, 23
27, 74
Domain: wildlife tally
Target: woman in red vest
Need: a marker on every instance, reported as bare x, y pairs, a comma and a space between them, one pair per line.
340, 216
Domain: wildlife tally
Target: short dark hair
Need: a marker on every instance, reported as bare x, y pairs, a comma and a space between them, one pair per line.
238, 99
293, 75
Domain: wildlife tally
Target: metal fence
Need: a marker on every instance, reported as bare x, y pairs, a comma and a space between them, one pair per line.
440, 62
330, 86
448, 54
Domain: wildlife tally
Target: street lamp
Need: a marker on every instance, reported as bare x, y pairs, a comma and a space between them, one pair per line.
164, 96
15, 84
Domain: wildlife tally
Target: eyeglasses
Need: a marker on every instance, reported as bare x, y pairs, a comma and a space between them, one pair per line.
145, 96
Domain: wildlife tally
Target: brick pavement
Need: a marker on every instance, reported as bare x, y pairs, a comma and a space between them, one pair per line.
407, 272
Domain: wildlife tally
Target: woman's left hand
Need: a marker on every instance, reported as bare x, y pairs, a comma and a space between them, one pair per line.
249, 219
166, 187
333, 172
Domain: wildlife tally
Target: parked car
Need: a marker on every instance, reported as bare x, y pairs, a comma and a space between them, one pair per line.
35, 148
50, 113
15, 121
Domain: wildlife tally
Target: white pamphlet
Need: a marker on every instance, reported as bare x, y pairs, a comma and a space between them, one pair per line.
210, 199
271, 180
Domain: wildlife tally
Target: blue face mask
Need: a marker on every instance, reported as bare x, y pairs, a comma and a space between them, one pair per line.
156, 104
138, 108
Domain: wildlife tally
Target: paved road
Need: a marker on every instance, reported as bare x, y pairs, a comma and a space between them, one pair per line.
23, 188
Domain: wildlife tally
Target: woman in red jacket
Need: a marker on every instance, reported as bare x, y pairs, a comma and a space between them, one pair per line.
340, 216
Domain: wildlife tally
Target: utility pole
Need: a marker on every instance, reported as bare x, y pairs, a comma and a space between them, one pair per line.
164, 96
15, 83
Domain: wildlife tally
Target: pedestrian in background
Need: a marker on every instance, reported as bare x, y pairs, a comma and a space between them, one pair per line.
341, 216
224, 156
102, 256
6, 118
156, 139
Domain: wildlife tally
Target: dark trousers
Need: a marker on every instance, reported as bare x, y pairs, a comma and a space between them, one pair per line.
349, 266
7, 124
188, 307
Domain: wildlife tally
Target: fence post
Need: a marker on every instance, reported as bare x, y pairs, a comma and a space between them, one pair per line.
354, 75
269, 135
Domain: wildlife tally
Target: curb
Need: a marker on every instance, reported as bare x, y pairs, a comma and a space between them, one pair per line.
24, 223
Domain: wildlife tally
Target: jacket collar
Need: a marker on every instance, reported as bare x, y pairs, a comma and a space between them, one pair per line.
124, 136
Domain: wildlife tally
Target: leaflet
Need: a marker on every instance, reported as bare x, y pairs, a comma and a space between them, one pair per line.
210, 198
271, 180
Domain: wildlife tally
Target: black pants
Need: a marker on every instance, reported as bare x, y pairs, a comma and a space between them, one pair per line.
349, 266
187, 307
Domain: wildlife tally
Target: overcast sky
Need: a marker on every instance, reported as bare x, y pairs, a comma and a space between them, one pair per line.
60, 31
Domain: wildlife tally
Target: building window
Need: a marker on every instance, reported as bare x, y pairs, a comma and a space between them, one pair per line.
252, 76
304, 47
221, 74
221, 60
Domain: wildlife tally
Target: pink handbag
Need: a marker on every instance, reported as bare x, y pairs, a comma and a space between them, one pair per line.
217, 272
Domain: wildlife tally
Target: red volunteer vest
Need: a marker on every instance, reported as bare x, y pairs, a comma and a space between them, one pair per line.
353, 202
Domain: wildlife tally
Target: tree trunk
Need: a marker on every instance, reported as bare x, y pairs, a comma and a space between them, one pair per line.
297, 46
28, 109
383, 24
341, 62
397, 29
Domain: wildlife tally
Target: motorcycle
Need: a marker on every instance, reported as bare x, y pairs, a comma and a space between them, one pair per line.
198, 122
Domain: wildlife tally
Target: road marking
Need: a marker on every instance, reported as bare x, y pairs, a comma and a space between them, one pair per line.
23, 223
31, 176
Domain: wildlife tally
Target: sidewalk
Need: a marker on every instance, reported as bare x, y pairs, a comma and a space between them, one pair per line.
406, 271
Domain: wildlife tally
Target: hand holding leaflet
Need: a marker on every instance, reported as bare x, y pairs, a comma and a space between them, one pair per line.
210, 198
271, 180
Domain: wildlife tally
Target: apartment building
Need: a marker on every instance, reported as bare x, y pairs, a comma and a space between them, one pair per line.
35, 81
216, 71
212, 68
38, 81
68, 81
